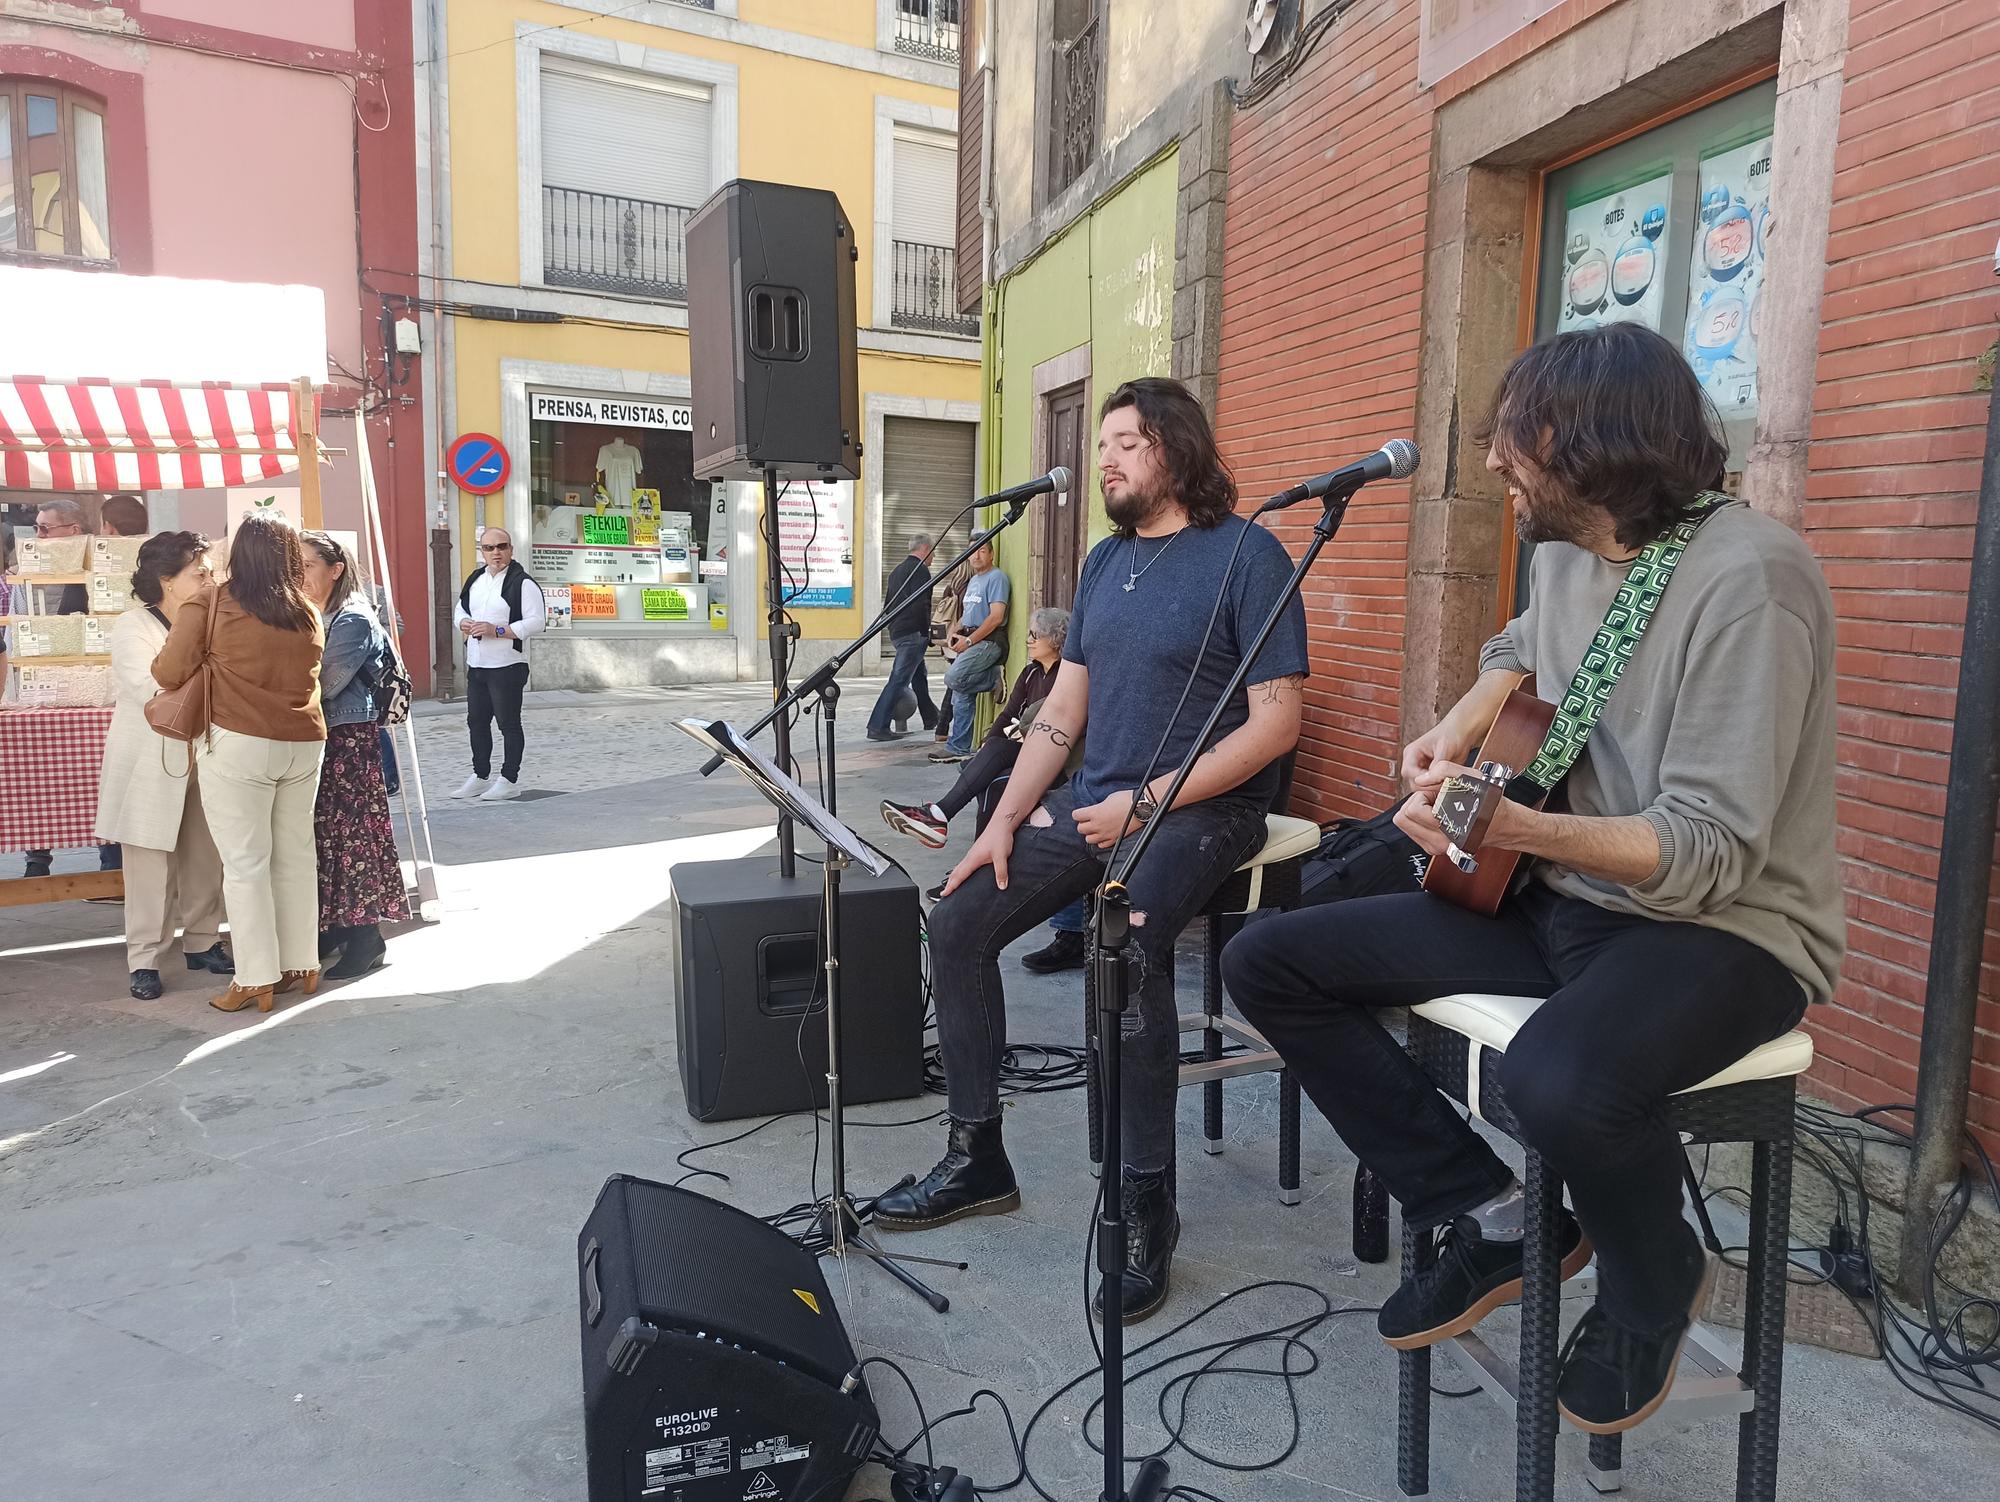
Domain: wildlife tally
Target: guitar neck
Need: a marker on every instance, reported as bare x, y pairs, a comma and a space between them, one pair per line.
1514, 740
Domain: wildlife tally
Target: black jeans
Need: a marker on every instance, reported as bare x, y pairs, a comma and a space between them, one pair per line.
1050, 867
495, 694
993, 760
907, 672
1637, 1009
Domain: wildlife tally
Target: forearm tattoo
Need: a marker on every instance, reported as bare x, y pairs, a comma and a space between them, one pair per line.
1055, 733
1274, 690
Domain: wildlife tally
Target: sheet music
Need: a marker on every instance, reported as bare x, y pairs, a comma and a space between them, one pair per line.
726, 741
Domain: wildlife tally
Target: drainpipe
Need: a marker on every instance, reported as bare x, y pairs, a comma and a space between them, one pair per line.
989, 216
1965, 866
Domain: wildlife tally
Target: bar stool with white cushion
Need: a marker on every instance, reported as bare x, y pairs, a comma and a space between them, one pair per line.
1459, 1040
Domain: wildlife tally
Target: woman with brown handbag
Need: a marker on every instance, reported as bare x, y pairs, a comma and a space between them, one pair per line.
259, 757
148, 799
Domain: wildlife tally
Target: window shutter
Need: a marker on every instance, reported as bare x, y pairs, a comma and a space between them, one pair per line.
926, 191
926, 481
631, 140
971, 142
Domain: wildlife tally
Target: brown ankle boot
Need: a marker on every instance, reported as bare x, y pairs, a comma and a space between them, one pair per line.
236, 998
306, 980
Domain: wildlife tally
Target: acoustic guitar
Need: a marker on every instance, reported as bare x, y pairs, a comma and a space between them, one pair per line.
1464, 807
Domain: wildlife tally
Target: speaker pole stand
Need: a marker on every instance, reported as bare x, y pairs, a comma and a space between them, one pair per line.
781, 634
839, 1221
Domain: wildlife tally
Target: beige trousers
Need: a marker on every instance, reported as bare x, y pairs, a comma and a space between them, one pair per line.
259, 796
169, 888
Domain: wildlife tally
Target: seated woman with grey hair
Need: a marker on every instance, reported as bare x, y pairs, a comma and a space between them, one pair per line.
931, 822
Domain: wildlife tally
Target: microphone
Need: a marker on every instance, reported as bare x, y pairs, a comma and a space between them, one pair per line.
1056, 479
1395, 460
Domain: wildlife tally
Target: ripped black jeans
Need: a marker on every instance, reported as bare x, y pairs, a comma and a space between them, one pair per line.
1051, 866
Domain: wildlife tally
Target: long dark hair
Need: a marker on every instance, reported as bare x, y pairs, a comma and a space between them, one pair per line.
333, 555
161, 556
1171, 417
267, 574
1616, 419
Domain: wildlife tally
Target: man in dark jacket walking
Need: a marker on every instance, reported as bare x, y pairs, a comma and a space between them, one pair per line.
909, 634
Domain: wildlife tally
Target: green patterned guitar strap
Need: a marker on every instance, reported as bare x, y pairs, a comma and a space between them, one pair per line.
1611, 649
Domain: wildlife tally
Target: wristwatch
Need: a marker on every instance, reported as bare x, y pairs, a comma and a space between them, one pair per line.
1144, 805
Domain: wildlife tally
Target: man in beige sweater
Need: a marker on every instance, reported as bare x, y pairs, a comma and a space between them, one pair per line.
1683, 905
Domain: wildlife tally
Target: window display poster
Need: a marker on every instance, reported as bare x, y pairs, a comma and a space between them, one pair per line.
1726, 272
1611, 255
553, 563
593, 602
816, 543
557, 603
666, 604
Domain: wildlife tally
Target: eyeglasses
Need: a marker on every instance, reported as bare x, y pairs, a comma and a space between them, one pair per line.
57, 529
496, 547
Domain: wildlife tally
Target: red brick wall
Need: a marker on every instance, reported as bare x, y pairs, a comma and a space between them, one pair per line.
1898, 429
1322, 292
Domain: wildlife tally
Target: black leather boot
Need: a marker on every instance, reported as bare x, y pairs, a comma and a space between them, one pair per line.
973, 1178
1152, 1230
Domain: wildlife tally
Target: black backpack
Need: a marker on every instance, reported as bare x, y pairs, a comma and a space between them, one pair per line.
1362, 858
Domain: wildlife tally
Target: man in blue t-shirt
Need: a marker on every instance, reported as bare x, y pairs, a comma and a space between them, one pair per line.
1136, 635
980, 643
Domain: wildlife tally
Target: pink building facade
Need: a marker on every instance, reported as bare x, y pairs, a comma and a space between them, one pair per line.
187, 138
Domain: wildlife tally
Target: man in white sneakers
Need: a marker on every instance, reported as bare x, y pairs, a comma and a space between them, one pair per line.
499, 608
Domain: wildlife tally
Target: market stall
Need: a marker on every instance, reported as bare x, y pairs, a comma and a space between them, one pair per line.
150, 387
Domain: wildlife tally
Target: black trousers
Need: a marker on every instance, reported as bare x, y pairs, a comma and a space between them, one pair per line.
1637, 1008
1051, 867
994, 759
495, 694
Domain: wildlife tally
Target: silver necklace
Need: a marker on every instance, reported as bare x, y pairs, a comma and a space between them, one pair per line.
1135, 573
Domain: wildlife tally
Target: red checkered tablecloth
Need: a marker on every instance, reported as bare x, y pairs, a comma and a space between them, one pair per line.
49, 761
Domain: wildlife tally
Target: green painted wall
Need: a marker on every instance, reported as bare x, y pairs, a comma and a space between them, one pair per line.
1106, 281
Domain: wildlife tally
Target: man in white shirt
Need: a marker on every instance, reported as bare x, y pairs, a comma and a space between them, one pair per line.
499, 608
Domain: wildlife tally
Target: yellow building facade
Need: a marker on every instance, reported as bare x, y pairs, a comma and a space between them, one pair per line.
570, 142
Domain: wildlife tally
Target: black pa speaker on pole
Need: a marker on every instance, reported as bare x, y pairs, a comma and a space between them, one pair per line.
713, 1357
771, 334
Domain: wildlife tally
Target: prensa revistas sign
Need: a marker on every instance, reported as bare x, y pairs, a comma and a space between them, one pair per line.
611, 411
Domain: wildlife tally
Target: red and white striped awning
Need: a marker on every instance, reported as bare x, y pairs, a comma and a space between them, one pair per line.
146, 435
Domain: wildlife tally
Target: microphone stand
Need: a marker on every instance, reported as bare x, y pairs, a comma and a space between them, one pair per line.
840, 1221
1114, 931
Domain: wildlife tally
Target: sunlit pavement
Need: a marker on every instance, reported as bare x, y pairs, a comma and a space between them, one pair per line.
330, 1253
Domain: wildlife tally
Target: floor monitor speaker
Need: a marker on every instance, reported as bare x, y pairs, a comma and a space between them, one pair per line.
713, 1357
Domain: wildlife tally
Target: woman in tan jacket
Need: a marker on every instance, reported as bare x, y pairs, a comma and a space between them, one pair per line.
259, 761
147, 795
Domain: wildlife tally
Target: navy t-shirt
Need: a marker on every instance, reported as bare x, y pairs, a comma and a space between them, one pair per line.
1139, 646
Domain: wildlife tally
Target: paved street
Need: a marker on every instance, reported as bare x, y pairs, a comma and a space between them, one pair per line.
330, 1254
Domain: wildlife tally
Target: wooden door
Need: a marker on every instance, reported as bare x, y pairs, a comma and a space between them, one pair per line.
1060, 521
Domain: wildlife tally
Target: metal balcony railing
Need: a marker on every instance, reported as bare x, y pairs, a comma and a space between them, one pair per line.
929, 28
1073, 122
924, 290
604, 243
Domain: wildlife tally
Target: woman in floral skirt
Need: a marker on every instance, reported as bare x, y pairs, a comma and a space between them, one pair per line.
360, 875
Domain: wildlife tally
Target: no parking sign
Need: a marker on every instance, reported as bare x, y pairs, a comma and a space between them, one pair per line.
478, 463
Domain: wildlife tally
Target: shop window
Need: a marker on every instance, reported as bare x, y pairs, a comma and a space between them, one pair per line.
626, 161
54, 199
618, 514
1669, 229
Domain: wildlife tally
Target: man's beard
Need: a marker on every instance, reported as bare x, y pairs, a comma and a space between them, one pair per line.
1134, 507
1547, 515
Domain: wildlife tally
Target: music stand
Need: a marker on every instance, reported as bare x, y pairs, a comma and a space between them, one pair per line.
839, 1220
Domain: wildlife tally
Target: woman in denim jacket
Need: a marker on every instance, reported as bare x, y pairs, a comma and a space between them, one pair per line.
360, 876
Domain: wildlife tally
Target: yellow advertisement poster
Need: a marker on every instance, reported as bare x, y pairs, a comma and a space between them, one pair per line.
645, 518
665, 604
